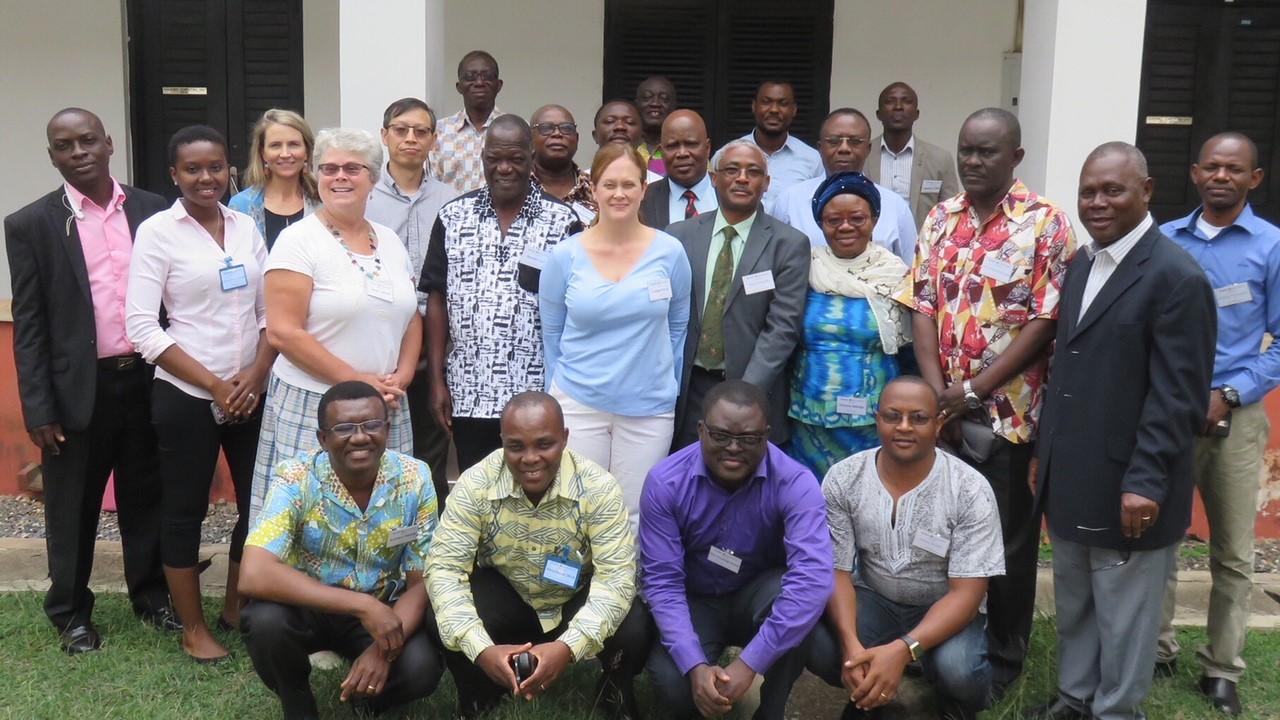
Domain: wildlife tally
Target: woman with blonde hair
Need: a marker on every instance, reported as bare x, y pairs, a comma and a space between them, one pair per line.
279, 188
614, 301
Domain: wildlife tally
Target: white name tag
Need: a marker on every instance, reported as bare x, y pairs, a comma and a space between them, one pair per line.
725, 559
233, 277
1233, 294
997, 269
931, 186
561, 572
380, 290
402, 535
659, 289
534, 258
758, 282
851, 405
931, 543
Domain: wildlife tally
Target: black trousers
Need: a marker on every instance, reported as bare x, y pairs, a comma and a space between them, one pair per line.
119, 439
474, 439
1011, 598
280, 637
430, 441
188, 441
509, 620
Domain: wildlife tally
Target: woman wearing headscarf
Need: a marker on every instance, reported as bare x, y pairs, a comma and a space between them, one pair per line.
852, 329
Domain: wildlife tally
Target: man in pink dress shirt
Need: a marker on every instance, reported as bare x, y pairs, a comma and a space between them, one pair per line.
84, 389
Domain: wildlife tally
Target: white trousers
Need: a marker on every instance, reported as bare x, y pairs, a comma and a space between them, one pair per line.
628, 447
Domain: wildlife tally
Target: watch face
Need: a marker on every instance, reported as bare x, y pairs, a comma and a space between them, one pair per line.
972, 403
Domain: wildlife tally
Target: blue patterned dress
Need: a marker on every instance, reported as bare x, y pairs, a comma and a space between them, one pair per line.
840, 365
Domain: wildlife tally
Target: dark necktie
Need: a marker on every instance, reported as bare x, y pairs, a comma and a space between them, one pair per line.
690, 204
710, 354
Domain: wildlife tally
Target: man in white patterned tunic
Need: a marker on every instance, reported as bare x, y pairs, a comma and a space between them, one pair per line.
923, 529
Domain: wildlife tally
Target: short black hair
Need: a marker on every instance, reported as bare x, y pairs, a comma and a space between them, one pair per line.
913, 380
1002, 116
1238, 136
737, 392
482, 54
532, 398
348, 390
774, 81
511, 121
845, 111
404, 105
1117, 147
194, 134
615, 101
896, 84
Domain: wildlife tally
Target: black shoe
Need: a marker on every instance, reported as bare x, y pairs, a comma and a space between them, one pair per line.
1056, 710
80, 639
162, 618
1166, 668
616, 698
1223, 694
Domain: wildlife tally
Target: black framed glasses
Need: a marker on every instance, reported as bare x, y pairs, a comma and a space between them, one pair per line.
368, 427
478, 76
723, 438
546, 129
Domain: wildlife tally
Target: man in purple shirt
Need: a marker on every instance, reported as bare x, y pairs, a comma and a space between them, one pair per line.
734, 550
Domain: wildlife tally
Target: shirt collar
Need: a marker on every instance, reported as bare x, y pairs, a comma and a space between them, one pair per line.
1120, 248
788, 145
332, 487
532, 207
761, 473
910, 146
388, 184
179, 211
1246, 221
703, 189
465, 119
1014, 204
564, 484
743, 228
77, 199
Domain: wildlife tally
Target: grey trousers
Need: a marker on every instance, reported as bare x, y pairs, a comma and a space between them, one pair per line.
1108, 607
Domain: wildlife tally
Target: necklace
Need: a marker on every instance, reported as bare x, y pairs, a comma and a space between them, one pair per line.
355, 262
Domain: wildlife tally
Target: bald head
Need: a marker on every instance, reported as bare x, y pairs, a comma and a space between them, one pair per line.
898, 86
69, 113
509, 129
551, 109
685, 147
1123, 149
1230, 138
1007, 121
535, 399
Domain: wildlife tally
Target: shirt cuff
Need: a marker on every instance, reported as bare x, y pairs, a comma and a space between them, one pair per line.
758, 657
474, 641
579, 644
687, 654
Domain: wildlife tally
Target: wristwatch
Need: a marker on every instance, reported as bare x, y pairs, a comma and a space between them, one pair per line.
971, 399
1230, 395
913, 646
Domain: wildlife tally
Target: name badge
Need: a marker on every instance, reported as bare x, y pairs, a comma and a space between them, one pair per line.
402, 535
562, 570
725, 559
758, 282
851, 405
659, 289
232, 277
1232, 294
535, 258
379, 290
931, 543
997, 269
930, 186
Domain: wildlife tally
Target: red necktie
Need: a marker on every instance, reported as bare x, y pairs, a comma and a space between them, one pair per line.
690, 204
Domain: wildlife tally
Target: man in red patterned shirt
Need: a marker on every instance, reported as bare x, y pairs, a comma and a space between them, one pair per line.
984, 298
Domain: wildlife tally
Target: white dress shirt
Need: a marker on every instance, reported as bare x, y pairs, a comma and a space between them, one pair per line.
706, 198
794, 162
895, 167
896, 228
177, 262
1106, 260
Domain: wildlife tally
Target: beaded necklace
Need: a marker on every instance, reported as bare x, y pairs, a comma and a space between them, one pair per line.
373, 247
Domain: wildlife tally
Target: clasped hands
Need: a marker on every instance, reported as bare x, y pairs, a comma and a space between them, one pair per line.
872, 675
716, 689
553, 657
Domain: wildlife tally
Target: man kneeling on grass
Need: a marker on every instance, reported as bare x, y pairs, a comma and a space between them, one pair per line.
925, 533
335, 562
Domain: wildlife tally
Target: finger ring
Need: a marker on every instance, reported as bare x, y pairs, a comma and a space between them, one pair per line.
884, 696
250, 396
542, 687
1146, 517
371, 688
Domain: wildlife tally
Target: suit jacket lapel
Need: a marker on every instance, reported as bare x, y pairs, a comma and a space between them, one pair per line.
1122, 279
698, 246
917, 176
759, 237
664, 203
132, 213
63, 226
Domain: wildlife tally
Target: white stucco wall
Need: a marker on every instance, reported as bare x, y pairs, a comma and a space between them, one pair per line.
320, 62
52, 59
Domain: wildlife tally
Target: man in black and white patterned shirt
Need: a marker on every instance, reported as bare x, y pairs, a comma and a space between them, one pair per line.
481, 275
924, 530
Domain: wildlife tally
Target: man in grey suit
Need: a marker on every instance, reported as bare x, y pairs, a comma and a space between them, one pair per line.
750, 277
1135, 344
921, 173
687, 190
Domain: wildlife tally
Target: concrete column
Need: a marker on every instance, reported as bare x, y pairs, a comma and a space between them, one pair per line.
1081, 70
382, 51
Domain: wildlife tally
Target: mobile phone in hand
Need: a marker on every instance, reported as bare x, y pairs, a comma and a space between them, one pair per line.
524, 664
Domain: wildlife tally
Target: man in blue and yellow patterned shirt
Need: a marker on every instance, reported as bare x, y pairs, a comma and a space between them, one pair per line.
335, 562
535, 553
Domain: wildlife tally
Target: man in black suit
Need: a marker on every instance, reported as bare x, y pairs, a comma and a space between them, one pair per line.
1135, 348
85, 392
687, 189
750, 278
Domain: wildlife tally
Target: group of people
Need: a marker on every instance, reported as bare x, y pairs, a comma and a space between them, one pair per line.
778, 397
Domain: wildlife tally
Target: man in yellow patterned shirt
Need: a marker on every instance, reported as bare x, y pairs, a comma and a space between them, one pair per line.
335, 561
535, 553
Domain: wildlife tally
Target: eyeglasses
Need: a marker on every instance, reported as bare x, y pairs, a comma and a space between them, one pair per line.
546, 129
403, 131
348, 169
835, 141
478, 76
724, 438
893, 417
368, 427
854, 220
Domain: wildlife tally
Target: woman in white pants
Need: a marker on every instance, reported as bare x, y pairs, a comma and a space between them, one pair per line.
615, 307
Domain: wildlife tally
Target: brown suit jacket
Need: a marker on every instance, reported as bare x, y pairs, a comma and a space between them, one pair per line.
930, 163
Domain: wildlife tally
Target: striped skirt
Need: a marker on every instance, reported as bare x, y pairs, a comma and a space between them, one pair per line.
289, 429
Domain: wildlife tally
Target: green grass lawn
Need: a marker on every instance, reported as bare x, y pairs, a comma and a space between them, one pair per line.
142, 673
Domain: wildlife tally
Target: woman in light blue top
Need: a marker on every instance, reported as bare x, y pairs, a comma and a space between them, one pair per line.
279, 189
615, 308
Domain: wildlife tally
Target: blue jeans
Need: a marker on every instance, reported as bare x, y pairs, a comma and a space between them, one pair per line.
958, 668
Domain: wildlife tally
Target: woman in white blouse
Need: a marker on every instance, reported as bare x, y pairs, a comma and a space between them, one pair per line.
341, 305
204, 263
